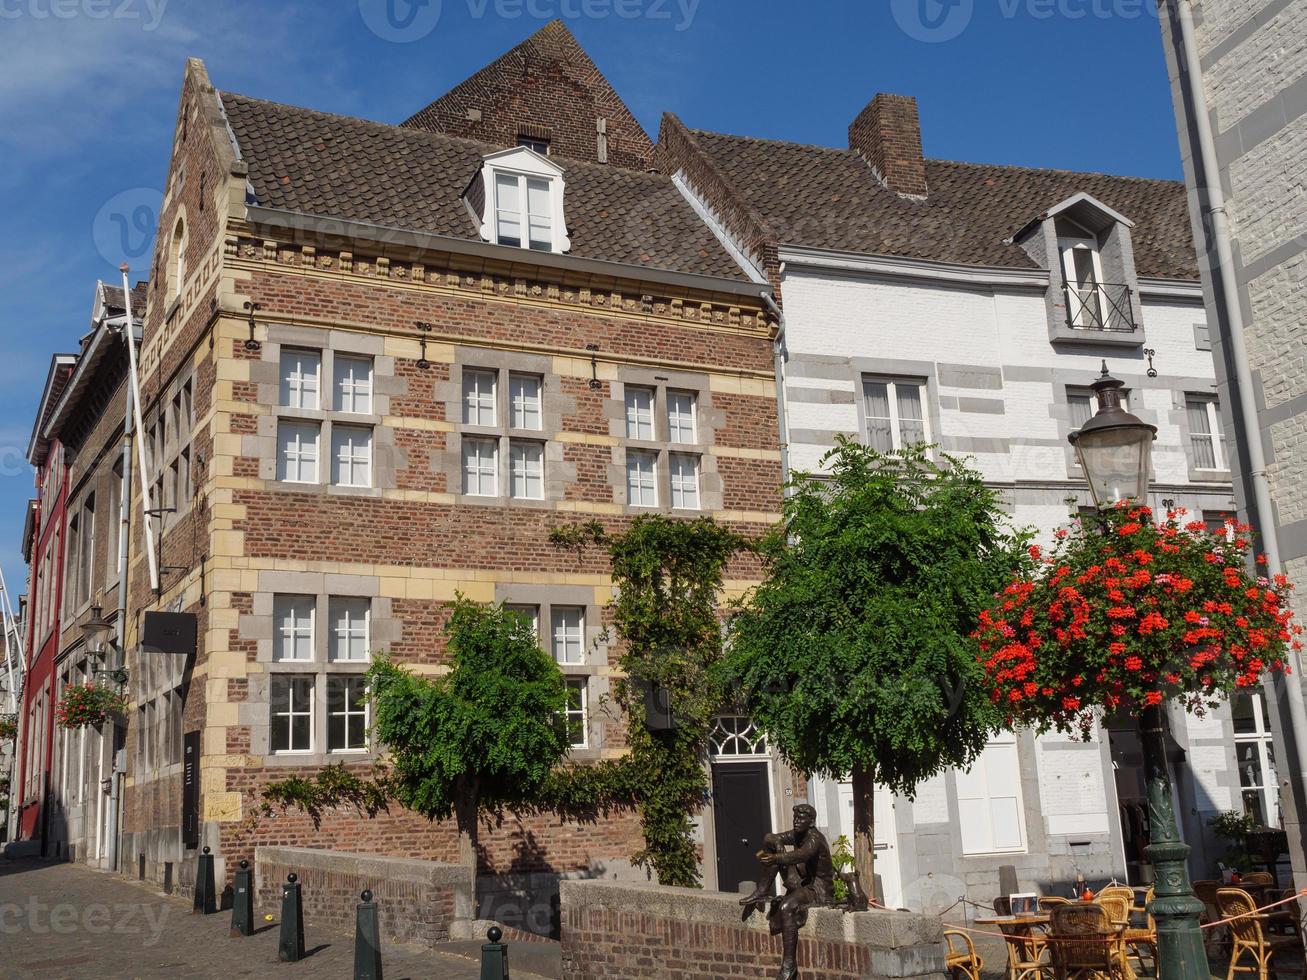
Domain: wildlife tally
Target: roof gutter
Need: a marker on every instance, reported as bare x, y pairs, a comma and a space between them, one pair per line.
318, 230
909, 268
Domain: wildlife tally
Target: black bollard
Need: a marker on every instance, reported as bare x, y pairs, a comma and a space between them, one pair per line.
367, 939
291, 947
494, 956
206, 901
242, 903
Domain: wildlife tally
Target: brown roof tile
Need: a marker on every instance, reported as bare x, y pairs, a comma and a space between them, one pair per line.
335, 166
827, 198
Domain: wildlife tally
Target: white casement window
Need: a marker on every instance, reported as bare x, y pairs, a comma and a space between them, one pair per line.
1082, 265
990, 796
297, 456
353, 385
896, 412
479, 397
639, 413
576, 714
292, 627
1254, 752
684, 472
681, 416
526, 462
481, 467
641, 478
524, 211
568, 630
349, 618
347, 714
530, 615
292, 713
524, 400
1204, 413
300, 374
351, 455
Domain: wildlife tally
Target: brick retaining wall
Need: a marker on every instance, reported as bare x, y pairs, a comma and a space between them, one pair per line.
615, 931
419, 900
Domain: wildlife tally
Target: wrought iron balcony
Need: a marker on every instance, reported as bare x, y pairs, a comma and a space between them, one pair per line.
1102, 306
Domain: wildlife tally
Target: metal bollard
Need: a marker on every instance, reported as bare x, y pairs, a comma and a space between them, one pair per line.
206, 899
242, 903
367, 939
291, 947
494, 956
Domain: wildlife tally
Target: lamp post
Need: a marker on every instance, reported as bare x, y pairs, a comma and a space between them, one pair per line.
1115, 449
98, 634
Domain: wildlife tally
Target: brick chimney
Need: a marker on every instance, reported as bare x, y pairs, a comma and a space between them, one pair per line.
888, 135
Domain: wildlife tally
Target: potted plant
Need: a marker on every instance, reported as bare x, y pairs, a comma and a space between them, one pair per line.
8, 727
89, 706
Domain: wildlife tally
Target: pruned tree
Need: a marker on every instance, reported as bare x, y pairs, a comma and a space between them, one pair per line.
855, 654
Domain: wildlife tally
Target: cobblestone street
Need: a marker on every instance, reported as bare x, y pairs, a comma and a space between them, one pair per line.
64, 920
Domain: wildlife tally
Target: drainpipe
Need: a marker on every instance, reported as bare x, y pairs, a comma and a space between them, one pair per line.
1220, 224
778, 362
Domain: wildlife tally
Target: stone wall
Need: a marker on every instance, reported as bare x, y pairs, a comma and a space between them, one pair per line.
419, 900
615, 931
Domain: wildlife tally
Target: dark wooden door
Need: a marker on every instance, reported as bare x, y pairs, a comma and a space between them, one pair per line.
741, 819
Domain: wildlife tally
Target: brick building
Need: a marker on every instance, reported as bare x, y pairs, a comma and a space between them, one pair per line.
399, 355
970, 306
1239, 83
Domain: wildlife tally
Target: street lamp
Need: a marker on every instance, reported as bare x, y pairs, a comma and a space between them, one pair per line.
97, 633
1115, 449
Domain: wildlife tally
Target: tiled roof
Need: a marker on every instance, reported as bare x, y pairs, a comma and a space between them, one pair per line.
827, 198
113, 299
321, 164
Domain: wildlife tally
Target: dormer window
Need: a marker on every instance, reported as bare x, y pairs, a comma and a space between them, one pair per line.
518, 198
540, 146
1082, 264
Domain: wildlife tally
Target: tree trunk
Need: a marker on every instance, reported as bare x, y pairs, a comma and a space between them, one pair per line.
466, 807
864, 830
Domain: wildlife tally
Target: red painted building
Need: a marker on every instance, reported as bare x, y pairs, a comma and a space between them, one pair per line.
43, 550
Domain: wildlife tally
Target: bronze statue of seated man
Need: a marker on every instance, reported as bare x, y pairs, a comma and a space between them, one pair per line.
808, 876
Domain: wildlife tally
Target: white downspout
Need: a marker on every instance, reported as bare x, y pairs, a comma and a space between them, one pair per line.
140, 427
1216, 208
778, 363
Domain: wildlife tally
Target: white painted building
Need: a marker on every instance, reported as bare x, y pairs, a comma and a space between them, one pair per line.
970, 307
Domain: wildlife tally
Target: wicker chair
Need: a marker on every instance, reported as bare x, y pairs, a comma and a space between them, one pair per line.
1085, 945
962, 963
1257, 879
1216, 939
1253, 948
1141, 940
1025, 953
1049, 902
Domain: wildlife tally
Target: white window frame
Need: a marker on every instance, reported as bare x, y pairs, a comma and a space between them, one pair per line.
682, 426
351, 455
524, 477
1002, 749
476, 402
528, 611
892, 384
1068, 246
1212, 409
343, 633
299, 452
525, 411
636, 488
582, 714
291, 713
524, 164
282, 634
363, 710
300, 389
684, 489
564, 637
1262, 737
485, 467
353, 387
638, 417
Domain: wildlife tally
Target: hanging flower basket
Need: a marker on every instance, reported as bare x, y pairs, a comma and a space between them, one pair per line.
1129, 614
8, 727
89, 706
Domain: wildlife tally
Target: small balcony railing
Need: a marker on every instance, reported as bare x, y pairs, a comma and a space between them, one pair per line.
1102, 306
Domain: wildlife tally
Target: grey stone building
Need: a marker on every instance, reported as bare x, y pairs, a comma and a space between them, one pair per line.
1238, 71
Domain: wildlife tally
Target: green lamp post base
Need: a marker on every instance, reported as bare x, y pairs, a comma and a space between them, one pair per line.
1180, 953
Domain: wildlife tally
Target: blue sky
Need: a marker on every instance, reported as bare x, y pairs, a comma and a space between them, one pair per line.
88, 93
